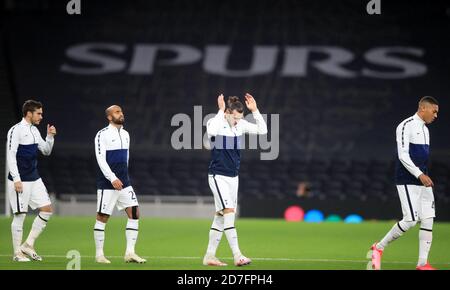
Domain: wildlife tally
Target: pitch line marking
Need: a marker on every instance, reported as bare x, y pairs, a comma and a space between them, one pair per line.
256, 259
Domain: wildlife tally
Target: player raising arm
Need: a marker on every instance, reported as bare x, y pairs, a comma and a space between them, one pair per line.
225, 131
25, 186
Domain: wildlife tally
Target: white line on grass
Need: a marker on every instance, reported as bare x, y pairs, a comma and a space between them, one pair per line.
256, 259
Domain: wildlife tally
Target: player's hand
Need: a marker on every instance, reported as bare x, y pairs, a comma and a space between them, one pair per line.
426, 180
117, 184
221, 103
251, 103
18, 186
51, 130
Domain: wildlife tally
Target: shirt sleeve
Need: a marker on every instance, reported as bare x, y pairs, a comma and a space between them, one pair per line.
213, 125
100, 154
45, 146
403, 136
128, 151
259, 128
12, 145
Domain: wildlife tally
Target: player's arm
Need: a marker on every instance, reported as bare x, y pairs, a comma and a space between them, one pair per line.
403, 138
12, 145
128, 151
260, 127
46, 146
214, 124
100, 155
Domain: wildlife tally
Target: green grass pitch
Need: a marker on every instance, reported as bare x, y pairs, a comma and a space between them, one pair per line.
180, 244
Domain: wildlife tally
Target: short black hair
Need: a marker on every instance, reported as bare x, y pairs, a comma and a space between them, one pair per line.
30, 106
430, 100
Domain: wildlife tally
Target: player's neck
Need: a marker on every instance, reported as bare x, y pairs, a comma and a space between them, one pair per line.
420, 116
230, 123
28, 120
118, 126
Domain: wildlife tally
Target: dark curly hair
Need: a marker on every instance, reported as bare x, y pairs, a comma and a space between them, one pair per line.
235, 104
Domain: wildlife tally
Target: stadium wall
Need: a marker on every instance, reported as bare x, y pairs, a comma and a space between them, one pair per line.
149, 206
203, 207
369, 210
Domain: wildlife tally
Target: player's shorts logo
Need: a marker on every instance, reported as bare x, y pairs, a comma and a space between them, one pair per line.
133, 195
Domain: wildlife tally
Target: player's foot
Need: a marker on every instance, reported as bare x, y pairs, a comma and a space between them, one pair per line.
213, 261
374, 255
102, 260
30, 252
20, 257
241, 260
427, 266
133, 258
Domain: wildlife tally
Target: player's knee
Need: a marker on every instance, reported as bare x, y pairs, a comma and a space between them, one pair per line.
228, 210
18, 220
135, 212
47, 208
218, 222
406, 225
102, 217
427, 224
45, 215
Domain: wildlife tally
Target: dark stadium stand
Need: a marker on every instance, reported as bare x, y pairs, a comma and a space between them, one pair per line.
330, 179
8, 108
336, 133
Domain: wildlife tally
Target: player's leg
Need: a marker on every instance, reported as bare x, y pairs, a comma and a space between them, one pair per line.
106, 199
409, 198
229, 216
39, 224
427, 215
132, 228
232, 237
17, 235
226, 188
19, 206
216, 230
38, 199
99, 237
215, 236
410, 201
128, 201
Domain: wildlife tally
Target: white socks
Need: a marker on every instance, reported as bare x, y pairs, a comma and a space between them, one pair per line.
397, 231
425, 239
215, 235
99, 237
17, 231
131, 234
231, 233
39, 224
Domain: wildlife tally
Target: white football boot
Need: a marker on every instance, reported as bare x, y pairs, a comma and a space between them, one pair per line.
241, 260
30, 252
213, 261
102, 260
20, 257
133, 258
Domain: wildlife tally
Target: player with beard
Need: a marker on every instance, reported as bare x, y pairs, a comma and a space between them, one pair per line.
113, 184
